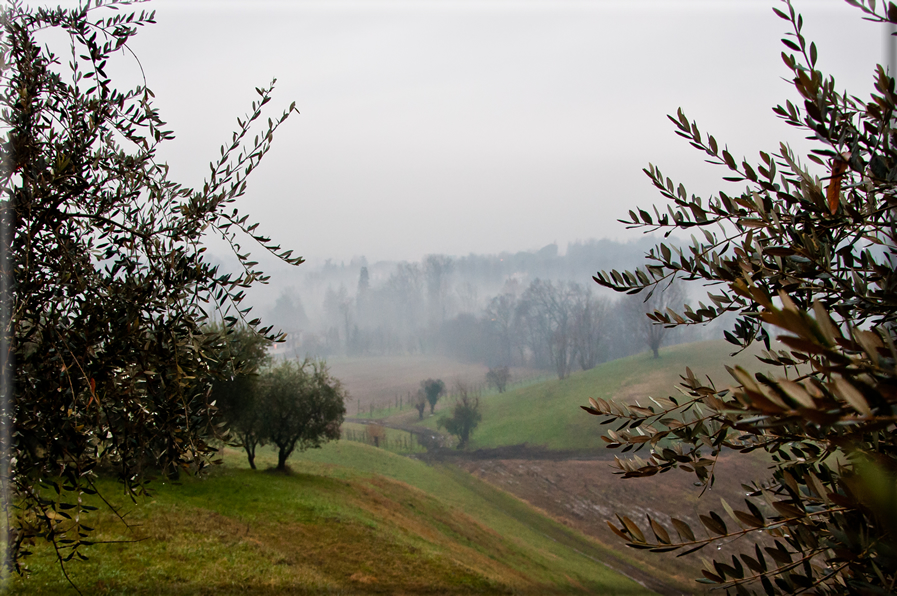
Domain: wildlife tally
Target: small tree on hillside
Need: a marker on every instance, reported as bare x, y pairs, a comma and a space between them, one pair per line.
806, 251
235, 392
376, 433
465, 416
499, 377
303, 406
433, 389
420, 403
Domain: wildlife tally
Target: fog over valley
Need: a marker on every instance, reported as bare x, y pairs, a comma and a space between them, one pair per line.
509, 309
448, 297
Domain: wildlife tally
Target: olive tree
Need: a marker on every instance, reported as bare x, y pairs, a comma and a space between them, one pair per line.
105, 283
235, 390
433, 389
805, 252
465, 416
302, 406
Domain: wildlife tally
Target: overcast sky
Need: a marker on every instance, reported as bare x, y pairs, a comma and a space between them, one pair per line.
459, 126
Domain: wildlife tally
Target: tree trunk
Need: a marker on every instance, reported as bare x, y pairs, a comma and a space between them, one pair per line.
282, 454
249, 444
250, 453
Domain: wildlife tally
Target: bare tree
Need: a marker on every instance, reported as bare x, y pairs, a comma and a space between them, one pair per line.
437, 270
404, 295
338, 307
638, 308
498, 377
589, 316
500, 322
468, 298
548, 312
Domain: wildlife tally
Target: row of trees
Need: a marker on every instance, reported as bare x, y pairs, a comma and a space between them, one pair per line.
293, 405
562, 326
435, 289
409, 308
558, 326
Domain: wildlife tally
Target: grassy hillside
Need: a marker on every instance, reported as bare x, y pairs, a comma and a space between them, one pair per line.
350, 519
548, 413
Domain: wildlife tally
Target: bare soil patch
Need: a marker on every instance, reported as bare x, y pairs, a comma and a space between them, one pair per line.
382, 382
586, 494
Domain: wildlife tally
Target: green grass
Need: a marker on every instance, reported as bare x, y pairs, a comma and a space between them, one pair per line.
396, 441
349, 519
548, 413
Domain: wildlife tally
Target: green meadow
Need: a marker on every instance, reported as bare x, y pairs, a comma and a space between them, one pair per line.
354, 519
347, 519
548, 413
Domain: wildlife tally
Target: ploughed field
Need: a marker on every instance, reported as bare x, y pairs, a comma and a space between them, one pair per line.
585, 494
536, 443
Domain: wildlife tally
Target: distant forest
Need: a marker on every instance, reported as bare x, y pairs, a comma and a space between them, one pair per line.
538, 309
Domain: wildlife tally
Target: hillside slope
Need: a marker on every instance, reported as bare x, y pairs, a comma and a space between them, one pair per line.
548, 413
327, 528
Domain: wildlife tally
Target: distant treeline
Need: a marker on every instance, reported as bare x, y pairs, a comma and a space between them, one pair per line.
538, 309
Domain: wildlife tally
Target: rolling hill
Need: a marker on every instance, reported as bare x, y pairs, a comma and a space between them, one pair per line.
348, 519
547, 413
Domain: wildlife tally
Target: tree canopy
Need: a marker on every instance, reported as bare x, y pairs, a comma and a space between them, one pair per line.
235, 392
805, 253
433, 389
301, 405
106, 285
465, 416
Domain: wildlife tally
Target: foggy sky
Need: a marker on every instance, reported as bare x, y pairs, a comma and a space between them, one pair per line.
476, 126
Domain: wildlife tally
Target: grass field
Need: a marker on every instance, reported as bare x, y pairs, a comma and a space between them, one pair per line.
548, 413
396, 441
353, 519
349, 519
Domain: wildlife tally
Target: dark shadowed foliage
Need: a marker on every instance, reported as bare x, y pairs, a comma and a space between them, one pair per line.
433, 389
111, 285
465, 415
235, 391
